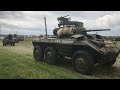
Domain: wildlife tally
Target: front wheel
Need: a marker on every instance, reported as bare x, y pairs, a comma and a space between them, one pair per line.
83, 62
38, 53
4, 44
13, 44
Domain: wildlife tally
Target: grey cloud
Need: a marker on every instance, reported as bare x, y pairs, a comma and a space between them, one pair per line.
32, 21
84, 14
11, 14
9, 26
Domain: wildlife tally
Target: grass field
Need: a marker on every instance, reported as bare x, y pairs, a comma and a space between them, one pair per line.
17, 62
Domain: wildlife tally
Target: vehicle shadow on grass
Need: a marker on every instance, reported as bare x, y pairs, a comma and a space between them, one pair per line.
66, 63
111, 72
104, 72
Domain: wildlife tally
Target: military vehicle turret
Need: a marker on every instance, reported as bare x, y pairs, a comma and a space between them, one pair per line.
87, 51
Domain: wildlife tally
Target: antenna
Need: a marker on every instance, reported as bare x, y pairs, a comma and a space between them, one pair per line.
45, 26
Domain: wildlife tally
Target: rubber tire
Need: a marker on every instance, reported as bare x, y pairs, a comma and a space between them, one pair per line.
13, 44
5, 44
40, 53
87, 59
53, 57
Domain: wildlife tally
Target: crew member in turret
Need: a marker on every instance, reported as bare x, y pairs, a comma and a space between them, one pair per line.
9, 36
80, 29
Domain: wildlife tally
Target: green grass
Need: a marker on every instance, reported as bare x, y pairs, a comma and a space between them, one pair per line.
118, 43
17, 62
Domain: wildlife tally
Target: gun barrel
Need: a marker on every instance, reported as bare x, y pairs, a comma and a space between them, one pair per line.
66, 15
97, 30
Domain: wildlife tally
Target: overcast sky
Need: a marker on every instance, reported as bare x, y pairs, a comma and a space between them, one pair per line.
32, 22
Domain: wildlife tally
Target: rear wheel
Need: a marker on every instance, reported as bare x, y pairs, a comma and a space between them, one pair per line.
38, 53
13, 44
51, 55
83, 62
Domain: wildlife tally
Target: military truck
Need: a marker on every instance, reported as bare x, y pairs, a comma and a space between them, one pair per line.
7, 41
15, 38
87, 51
20, 38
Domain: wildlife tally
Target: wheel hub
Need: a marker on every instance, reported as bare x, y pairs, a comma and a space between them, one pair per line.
81, 65
80, 60
49, 54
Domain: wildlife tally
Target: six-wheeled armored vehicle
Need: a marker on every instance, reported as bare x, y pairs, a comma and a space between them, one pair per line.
87, 51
